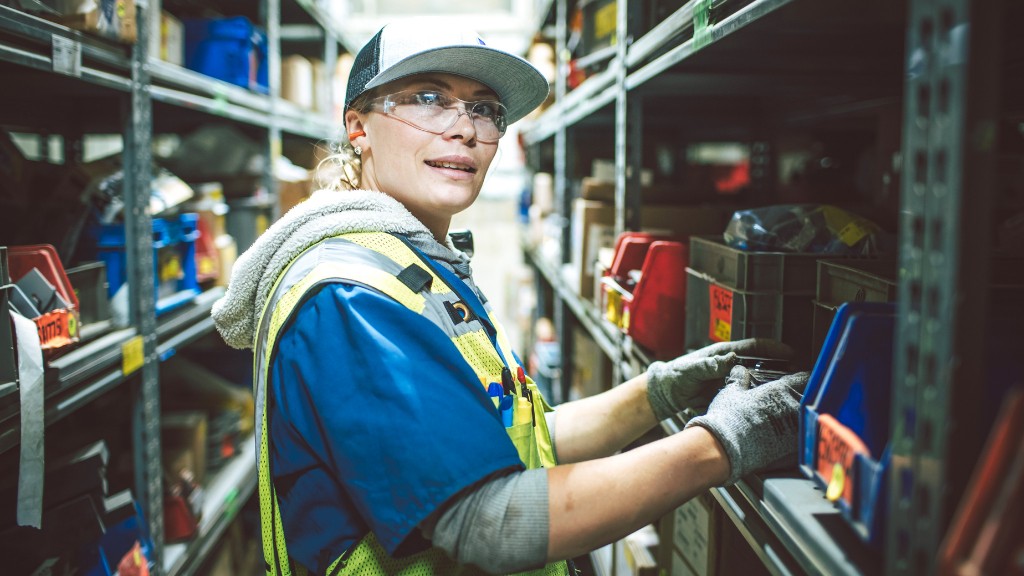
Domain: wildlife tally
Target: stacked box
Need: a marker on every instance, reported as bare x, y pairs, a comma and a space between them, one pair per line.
849, 281
732, 294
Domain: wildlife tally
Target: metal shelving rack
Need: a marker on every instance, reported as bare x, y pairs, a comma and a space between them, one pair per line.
948, 148
44, 58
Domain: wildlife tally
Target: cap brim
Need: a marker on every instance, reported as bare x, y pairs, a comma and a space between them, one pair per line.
519, 85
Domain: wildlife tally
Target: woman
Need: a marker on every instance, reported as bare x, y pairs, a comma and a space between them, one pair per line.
398, 433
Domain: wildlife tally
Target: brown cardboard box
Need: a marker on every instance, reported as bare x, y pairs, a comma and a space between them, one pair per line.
183, 440
297, 80
290, 194
592, 370
705, 542
114, 19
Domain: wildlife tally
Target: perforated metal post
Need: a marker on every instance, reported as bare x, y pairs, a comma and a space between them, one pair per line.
628, 128
142, 305
939, 361
270, 14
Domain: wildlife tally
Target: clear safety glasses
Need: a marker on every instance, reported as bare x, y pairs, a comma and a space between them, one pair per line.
436, 112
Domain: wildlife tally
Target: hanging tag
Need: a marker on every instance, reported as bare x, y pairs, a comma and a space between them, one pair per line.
32, 463
702, 24
67, 56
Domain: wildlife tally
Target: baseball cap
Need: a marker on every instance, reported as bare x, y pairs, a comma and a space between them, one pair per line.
402, 49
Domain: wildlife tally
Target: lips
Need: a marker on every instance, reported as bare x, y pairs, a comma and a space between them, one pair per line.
451, 165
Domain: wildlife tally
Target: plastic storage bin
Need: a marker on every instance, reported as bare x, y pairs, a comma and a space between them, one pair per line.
849, 281
845, 414
732, 294
174, 260
229, 49
652, 309
58, 329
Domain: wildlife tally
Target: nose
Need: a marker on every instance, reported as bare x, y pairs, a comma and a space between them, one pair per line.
462, 129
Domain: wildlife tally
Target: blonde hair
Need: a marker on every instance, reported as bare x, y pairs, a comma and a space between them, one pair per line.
342, 168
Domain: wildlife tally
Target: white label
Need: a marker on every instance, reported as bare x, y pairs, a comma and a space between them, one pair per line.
692, 524
67, 56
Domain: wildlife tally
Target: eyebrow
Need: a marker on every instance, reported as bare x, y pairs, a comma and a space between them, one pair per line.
442, 84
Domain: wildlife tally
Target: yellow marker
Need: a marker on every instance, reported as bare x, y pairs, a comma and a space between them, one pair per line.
836, 485
523, 413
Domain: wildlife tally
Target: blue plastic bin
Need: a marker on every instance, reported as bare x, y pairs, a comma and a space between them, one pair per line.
852, 382
172, 239
229, 49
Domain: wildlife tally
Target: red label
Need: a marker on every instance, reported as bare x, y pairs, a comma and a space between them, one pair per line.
837, 445
720, 325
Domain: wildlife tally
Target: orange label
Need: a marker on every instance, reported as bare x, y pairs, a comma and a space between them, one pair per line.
837, 446
720, 326
57, 328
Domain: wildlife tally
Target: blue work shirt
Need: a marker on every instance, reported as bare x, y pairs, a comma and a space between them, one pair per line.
375, 421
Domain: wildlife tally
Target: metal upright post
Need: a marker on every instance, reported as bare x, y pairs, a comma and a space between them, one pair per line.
949, 139
270, 12
138, 123
563, 200
628, 129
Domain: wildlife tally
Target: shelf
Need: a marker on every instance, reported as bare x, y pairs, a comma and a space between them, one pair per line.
327, 22
593, 94
302, 122
78, 377
223, 93
788, 522
226, 491
606, 336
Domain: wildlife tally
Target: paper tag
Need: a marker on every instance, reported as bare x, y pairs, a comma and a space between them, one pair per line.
30, 382
67, 56
132, 356
720, 325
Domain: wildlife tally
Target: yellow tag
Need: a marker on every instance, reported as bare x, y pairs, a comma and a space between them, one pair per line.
605, 20
131, 355
852, 233
836, 485
723, 330
262, 224
72, 326
206, 266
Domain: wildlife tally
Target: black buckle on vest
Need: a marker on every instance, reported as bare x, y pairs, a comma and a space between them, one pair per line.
415, 277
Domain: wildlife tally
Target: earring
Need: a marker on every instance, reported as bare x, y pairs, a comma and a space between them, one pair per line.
358, 150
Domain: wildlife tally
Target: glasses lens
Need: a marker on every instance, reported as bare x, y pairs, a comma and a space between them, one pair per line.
436, 112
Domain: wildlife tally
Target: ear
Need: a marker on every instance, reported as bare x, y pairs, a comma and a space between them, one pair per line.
356, 129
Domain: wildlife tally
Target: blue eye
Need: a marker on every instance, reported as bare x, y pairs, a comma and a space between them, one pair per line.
428, 98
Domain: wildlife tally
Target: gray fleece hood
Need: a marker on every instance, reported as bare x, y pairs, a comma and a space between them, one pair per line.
325, 214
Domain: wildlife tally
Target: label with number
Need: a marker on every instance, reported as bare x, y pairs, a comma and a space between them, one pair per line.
132, 356
837, 447
720, 325
67, 56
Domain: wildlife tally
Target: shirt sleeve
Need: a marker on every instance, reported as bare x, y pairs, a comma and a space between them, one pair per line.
388, 405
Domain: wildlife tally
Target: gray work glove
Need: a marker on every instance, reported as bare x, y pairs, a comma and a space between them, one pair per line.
756, 426
692, 380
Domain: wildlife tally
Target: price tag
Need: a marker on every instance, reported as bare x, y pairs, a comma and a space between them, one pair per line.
132, 356
67, 56
837, 447
720, 325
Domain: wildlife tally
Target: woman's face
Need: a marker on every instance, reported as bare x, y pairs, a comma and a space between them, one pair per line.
434, 175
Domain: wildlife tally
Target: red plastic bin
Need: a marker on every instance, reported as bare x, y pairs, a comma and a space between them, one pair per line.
59, 328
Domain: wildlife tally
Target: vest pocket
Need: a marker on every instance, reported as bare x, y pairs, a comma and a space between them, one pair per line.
525, 441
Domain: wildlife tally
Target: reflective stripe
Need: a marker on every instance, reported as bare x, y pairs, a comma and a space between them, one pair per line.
374, 260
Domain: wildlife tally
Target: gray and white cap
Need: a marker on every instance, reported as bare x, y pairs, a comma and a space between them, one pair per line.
402, 49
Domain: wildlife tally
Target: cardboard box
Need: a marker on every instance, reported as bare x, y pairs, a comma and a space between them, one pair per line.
593, 228
592, 370
183, 441
695, 535
291, 194
171, 43
113, 19
297, 80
